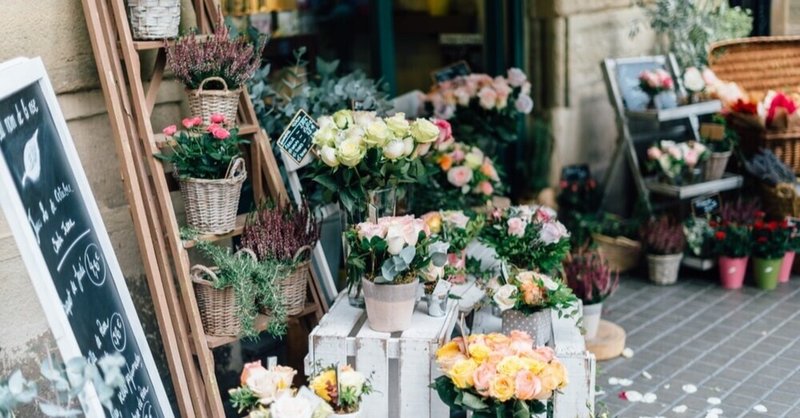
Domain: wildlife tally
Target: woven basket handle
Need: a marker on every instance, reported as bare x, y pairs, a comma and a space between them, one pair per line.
236, 169
203, 84
199, 271
784, 190
300, 252
247, 251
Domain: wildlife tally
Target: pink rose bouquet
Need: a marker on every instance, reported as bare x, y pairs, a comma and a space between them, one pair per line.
494, 375
484, 110
655, 81
528, 237
675, 162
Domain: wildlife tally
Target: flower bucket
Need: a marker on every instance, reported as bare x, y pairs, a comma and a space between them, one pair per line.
715, 166
217, 306
211, 204
356, 414
538, 324
154, 19
293, 286
389, 306
786, 267
766, 272
204, 103
732, 271
591, 319
664, 269
437, 304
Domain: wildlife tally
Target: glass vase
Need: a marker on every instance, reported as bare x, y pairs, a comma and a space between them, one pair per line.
380, 202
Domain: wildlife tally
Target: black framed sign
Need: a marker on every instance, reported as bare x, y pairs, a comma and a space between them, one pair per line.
298, 137
705, 206
52, 213
450, 72
576, 172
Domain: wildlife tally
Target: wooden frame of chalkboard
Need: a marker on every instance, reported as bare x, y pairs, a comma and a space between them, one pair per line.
20, 76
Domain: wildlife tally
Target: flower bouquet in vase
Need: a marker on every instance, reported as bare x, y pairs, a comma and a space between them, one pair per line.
675, 163
342, 388
770, 242
525, 300
527, 237
484, 110
210, 170
654, 83
498, 376
664, 242
731, 244
592, 280
458, 230
388, 257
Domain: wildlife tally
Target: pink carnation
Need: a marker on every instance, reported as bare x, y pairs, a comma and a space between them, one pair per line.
217, 118
170, 130
188, 123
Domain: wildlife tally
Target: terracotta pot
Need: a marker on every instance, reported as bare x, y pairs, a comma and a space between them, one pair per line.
538, 324
732, 271
786, 267
591, 319
389, 306
766, 272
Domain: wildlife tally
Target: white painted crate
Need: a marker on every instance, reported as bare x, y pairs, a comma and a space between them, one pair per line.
402, 362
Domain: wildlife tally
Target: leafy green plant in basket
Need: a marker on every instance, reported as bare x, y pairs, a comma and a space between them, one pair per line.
528, 237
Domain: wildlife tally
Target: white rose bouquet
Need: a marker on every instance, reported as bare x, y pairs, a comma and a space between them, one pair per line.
393, 250
341, 387
529, 292
360, 151
528, 237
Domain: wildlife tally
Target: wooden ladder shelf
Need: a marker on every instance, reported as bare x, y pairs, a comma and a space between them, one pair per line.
148, 186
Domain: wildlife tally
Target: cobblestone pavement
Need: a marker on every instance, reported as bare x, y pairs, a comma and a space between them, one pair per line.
738, 347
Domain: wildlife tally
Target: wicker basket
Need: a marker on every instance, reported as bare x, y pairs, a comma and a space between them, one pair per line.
217, 306
622, 253
211, 204
780, 201
154, 19
205, 103
293, 286
715, 166
757, 65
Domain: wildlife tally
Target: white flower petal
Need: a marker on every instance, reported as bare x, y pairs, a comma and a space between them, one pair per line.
714, 400
712, 415
680, 409
649, 397
613, 381
716, 411
625, 382
667, 386
627, 353
689, 388
760, 408
646, 375
633, 396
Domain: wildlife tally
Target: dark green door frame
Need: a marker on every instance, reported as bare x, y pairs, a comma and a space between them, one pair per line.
383, 50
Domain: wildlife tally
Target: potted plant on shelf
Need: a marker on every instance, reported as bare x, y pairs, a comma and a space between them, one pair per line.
592, 280
286, 234
653, 83
388, 257
210, 170
525, 300
154, 19
527, 237
498, 376
720, 142
675, 163
770, 242
342, 388
664, 241
214, 70
731, 244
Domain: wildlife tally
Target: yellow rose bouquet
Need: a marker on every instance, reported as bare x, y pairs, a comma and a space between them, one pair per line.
341, 387
497, 375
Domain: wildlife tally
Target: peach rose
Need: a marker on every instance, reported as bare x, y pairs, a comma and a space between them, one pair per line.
482, 378
532, 294
502, 388
459, 176
485, 188
488, 170
547, 353
249, 369
487, 97
527, 385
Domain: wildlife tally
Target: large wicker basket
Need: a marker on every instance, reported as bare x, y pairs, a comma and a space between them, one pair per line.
217, 306
757, 65
154, 19
293, 286
211, 204
204, 103
780, 201
622, 253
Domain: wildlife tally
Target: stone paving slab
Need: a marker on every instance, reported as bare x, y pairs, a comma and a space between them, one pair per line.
740, 346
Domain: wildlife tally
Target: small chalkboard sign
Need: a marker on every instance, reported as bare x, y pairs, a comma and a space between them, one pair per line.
52, 213
297, 139
368, 105
577, 172
450, 72
706, 206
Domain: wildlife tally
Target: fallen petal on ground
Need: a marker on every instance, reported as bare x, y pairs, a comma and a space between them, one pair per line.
625, 382
633, 396
646, 375
716, 411
760, 408
649, 397
613, 381
689, 388
627, 352
714, 400
680, 409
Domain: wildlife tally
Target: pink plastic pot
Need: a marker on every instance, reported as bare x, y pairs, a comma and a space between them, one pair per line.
786, 267
732, 271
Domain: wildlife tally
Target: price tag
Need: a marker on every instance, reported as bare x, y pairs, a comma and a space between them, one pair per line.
577, 172
703, 207
712, 131
297, 139
450, 72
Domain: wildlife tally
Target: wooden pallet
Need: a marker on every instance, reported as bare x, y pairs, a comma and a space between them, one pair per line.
148, 186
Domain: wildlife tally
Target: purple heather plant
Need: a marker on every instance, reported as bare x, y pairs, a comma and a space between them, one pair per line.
590, 277
275, 232
742, 211
194, 58
663, 236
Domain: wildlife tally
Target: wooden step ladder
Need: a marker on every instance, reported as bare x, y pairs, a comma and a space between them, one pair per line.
148, 185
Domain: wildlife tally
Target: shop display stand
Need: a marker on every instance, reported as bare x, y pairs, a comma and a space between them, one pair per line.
148, 186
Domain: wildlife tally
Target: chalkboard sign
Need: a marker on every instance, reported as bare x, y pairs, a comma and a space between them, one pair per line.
450, 72
703, 207
628, 79
368, 105
296, 139
50, 208
577, 172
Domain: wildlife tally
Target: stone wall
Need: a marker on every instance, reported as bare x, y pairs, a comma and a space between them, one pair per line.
570, 40
56, 31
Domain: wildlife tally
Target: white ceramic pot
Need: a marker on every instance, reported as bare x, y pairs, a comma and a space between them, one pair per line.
389, 306
591, 319
356, 414
538, 324
664, 269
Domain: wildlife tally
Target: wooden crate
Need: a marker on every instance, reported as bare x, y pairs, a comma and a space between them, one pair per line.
402, 362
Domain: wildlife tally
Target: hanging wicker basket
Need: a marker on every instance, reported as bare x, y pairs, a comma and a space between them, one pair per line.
780, 201
293, 287
211, 204
154, 19
205, 103
217, 306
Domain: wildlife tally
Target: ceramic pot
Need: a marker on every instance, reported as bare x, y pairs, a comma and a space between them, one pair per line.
389, 306
786, 267
591, 319
538, 324
766, 272
732, 271
356, 414
664, 269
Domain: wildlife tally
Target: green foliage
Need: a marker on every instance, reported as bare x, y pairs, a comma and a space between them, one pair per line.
197, 153
462, 400
243, 399
731, 240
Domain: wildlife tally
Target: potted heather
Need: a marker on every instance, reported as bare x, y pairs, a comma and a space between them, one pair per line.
387, 257
342, 388
731, 244
214, 70
770, 243
664, 242
210, 171
592, 280
287, 234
